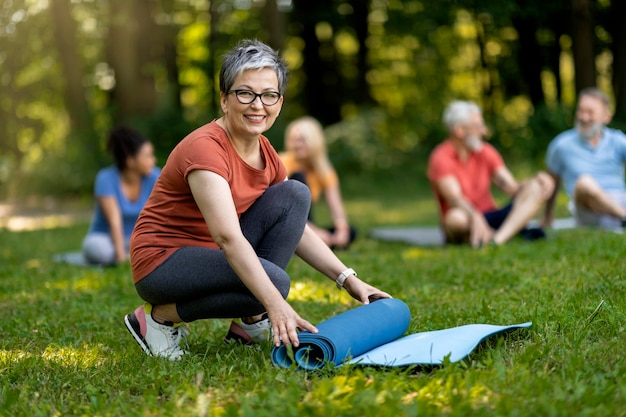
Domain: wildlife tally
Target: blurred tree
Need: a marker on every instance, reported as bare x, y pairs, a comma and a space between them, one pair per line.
377, 72
615, 18
582, 32
133, 54
78, 109
322, 87
359, 21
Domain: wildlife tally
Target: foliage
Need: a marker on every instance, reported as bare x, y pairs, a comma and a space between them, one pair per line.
65, 351
387, 68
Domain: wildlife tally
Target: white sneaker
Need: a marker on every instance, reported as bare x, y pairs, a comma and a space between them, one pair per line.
258, 332
154, 338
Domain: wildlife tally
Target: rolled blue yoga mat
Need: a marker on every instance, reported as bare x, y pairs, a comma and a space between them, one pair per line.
370, 335
347, 335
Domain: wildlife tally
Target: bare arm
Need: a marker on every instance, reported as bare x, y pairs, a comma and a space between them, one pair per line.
113, 216
548, 215
504, 180
341, 236
317, 254
213, 196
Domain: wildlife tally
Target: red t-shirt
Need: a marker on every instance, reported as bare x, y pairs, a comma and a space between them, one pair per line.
473, 175
171, 219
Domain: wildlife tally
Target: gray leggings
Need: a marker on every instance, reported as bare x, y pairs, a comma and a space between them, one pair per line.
201, 282
98, 248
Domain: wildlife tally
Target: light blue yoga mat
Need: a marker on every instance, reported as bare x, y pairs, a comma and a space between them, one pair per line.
370, 335
431, 348
74, 258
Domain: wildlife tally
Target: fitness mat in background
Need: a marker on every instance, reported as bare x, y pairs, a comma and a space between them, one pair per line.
368, 335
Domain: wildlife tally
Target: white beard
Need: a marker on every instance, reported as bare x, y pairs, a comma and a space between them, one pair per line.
590, 132
474, 143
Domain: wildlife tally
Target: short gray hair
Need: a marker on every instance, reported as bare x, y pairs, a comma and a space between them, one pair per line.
596, 93
251, 54
459, 112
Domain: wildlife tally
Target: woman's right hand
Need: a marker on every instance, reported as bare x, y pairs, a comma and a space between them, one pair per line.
286, 323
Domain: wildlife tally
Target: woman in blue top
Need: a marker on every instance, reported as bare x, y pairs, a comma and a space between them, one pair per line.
121, 190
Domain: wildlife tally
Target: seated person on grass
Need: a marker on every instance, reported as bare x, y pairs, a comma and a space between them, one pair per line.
590, 159
461, 170
121, 190
306, 160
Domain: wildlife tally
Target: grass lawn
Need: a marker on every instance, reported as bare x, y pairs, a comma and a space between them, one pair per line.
64, 350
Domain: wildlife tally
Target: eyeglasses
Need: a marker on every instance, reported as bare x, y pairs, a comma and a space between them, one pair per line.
268, 98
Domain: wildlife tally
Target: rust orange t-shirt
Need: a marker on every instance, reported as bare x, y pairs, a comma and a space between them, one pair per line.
171, 219
316, 182
473, 175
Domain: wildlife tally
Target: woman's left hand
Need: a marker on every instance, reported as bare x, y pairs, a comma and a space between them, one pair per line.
341, 238
362, 291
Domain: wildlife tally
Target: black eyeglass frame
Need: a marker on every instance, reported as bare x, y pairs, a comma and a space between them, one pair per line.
259, 95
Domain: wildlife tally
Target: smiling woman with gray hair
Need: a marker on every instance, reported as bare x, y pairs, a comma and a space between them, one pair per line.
222, 223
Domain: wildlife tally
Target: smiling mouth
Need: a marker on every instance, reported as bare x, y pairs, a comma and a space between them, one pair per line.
255, 118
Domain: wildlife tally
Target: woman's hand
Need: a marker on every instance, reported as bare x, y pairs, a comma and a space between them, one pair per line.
286, 323
120, 258
362, 291
341, 238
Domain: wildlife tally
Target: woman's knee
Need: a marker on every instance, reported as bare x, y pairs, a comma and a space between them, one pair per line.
279, 278
297, 191
456, 221
98, 249
585, 184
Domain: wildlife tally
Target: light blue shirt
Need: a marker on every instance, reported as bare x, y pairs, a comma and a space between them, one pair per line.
109, 184
570, 156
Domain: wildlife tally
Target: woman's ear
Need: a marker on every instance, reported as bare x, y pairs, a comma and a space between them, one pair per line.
224, 102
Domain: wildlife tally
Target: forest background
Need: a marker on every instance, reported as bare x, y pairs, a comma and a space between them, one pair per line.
376, 73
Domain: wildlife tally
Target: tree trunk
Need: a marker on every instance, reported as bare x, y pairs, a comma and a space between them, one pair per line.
275, 24
123, 58
618, 48
169, 38
582, 44
361, 28
529, 59
212, 65
322, 89
149, 52
82, 131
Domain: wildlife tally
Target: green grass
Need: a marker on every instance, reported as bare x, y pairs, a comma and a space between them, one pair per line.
64, 350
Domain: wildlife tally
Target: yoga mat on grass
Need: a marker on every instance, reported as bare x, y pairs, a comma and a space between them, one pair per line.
348, 334
432, 235
370, 335
431, 348
74, 258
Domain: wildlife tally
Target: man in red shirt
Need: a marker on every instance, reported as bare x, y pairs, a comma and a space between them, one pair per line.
461, 170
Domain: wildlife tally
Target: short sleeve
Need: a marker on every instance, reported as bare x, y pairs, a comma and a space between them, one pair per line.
553, 160
439, 165
622, 145
106, 183
494, 159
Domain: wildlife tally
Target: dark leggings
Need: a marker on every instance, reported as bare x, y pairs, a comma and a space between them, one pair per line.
201, 282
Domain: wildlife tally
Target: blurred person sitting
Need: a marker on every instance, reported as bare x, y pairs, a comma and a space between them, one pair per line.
461, 170
306, 160
589, 159
121, 190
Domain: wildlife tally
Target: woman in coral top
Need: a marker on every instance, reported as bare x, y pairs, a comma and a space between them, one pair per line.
223, 221
306, 160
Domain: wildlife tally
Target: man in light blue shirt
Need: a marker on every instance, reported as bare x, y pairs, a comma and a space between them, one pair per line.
590, 160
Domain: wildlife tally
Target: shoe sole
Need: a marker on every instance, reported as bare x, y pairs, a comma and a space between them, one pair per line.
135, 332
